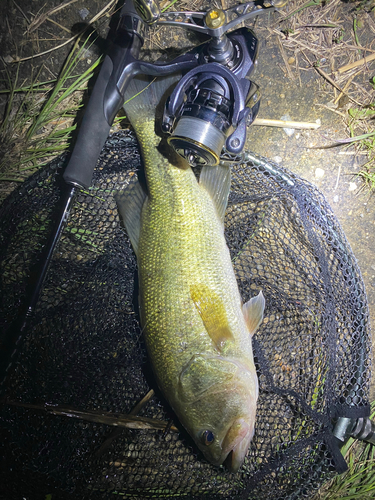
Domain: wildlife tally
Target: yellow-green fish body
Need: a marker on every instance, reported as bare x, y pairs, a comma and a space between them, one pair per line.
196, 329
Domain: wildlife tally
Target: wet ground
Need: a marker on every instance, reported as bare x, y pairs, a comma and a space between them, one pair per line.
304, 98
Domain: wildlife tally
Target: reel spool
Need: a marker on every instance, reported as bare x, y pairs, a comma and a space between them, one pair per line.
200, 130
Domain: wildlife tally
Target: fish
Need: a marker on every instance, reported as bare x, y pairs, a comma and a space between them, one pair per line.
196, 328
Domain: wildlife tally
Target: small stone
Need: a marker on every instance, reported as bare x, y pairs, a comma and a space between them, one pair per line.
83, 13
291, 60
289, 131
336, 198
319, 173
282, 96
278, 159
352, 186
8, 59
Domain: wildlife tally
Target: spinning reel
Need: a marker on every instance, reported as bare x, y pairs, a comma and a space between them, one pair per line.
215, 101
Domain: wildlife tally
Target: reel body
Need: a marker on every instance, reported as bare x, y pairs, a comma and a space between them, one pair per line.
214, 102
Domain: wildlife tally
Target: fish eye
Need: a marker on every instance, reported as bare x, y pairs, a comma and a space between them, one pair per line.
207, 437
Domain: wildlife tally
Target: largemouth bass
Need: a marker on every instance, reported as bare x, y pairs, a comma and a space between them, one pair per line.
197, 331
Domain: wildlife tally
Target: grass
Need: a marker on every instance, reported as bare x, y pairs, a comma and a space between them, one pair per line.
39, 119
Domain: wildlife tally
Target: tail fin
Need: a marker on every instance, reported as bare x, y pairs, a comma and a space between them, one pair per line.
144, 94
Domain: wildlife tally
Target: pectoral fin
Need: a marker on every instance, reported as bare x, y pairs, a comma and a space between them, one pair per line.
216, 181
130, 203
212, 311
253, 312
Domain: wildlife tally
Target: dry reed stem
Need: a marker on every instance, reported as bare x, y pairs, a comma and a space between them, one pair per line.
38, 21
59, 25
103, 417
95, 18
265, 122
355, 64
345, 88
138, 407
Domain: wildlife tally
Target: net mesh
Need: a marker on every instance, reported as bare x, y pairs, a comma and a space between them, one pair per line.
84, 348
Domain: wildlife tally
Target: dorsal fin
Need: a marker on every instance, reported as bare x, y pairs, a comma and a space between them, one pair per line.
216, 181
130, 203
212, 311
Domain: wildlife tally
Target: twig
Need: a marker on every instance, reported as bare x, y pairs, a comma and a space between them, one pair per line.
308, 47
102, 417
352, 65
22, 12
344, 89
40, 20
57, 24
283, 55
334, 84
138, 407
356, 47
286, 124
329, 79
338, 177
333, 110
95, 18
297, 67
114, 434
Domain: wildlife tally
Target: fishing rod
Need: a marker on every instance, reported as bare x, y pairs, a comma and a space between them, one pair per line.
209, 109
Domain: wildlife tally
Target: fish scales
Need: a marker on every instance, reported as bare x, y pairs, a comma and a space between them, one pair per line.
191, 311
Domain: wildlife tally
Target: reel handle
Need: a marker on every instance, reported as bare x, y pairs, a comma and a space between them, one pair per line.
213, 23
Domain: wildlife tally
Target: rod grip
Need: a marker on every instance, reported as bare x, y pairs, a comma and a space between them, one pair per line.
93, 132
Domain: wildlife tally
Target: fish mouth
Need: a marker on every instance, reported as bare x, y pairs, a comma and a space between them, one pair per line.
236, 443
